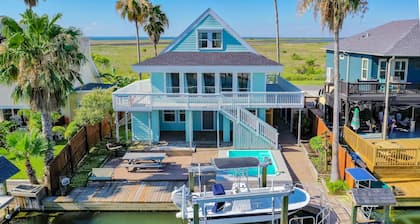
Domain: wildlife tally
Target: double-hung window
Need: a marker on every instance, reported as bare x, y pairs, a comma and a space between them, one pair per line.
172, 83
400, 70
365, 68
226, 80
169, 116
382, 69
244, 82
210, 39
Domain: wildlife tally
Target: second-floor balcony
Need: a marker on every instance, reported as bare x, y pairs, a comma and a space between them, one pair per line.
139, 96
375, 90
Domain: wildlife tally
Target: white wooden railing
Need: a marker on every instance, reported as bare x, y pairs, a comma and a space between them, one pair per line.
167, 101
249, 120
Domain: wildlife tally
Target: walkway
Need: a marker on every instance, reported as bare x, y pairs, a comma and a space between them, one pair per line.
302, 171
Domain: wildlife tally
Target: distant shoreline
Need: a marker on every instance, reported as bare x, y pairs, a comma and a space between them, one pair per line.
168, 39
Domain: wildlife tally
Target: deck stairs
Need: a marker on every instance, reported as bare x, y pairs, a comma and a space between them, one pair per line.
249, 130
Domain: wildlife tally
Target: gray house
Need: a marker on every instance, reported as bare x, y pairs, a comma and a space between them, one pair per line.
364, 58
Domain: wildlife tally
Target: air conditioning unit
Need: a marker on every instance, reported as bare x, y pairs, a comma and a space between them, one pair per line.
329, 75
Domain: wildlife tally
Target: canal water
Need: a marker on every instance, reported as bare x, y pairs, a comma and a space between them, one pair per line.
97, 218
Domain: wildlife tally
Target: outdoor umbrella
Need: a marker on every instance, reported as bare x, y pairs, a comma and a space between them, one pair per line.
355, 121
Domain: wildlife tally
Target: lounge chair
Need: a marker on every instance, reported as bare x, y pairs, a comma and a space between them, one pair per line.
218, 189
101, 174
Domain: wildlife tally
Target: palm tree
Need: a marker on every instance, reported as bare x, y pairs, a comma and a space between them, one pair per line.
277, 31
42, 60
31, 3
135, 11
24, 145
332, 14
155, 25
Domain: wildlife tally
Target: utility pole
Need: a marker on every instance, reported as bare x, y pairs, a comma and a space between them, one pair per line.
386, 109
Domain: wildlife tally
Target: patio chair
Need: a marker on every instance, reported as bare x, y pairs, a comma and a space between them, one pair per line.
101, 174
117, 149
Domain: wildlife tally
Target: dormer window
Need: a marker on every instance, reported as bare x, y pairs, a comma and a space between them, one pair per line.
210, 39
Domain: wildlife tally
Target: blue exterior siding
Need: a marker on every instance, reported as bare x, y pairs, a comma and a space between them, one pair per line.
258, 82
140, 123
189, 43
177, 125
413, 70
157, 80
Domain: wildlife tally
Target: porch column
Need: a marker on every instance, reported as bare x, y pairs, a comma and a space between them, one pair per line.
117, 127
226, 129
126, 126
189, 130
291, 120
149, 121
155, 126
299, 126
218, 128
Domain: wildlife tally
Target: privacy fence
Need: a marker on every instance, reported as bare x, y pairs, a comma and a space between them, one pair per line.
66, 162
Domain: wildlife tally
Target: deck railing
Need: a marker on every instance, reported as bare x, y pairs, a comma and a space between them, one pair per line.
375, 87
375, 155
252, 122
155, 101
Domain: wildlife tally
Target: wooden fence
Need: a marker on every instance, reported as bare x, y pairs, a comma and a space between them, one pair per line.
344, 159
66, 162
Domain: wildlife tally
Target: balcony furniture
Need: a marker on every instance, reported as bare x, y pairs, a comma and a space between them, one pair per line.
142, 160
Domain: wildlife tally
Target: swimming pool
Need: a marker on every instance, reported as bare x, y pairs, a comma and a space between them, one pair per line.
260, 155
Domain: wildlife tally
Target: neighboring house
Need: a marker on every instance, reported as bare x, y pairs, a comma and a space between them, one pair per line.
208, 81
363, 68
89, 75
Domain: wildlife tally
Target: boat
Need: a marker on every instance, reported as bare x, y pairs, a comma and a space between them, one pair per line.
240, 204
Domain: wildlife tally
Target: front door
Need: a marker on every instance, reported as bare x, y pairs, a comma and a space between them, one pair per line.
208, 120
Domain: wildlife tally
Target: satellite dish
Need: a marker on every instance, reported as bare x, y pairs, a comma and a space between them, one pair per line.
65, 181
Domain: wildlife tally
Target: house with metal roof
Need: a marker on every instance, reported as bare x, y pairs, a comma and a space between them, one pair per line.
7, 170
210, 86
364, 59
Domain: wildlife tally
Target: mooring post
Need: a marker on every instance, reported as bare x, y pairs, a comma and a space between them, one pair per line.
191, 181
354, 215
264, 176
285, 210
386, 214
196, 219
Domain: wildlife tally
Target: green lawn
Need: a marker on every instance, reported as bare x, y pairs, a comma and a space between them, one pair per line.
122, 55
37, 162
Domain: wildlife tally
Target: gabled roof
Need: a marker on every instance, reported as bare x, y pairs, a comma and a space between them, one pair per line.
203, 16
7, 169
396, 38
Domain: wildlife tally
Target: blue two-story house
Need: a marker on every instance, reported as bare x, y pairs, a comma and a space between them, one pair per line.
364, 60
207, 85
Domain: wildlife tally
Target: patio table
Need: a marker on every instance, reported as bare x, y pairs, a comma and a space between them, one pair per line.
138, 160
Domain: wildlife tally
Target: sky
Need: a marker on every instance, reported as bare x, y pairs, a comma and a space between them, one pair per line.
250, 18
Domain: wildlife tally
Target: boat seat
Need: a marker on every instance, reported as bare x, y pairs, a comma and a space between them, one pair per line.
218, 189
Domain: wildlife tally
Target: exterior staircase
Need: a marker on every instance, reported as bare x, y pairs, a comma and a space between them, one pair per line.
250, 132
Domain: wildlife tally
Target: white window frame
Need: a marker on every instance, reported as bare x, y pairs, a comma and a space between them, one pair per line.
399, 70
179, 116
364, 69
165, 83
379, 68
169, 111
210, 39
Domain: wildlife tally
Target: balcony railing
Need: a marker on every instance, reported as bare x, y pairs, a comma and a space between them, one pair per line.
375, 87
156, 101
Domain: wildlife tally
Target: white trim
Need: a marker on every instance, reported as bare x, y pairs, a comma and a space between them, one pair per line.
217, 82
362, 69
235, 82
169, 122
209, 39
199, 82
203, 16
405, 71
379, 68
181, 82
209, 68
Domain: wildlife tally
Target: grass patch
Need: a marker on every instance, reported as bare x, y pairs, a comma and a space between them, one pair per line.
122, 55
97, 155
37, 162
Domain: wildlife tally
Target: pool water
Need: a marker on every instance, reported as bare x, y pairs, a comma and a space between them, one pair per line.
97, 218
261, 155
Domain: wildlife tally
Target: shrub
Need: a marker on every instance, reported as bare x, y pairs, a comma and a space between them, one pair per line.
71, 130
59, 130
296, 57
316, 143
337, 187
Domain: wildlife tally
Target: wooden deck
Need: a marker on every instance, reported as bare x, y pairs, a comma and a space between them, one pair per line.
395, 162
117, 196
